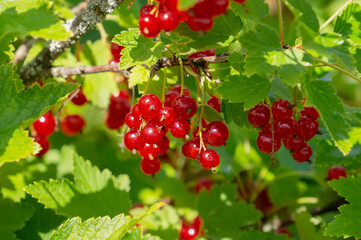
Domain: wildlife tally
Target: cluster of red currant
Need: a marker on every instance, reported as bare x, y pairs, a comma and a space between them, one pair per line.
70, 125
190, 231
293, 133
118, 108
165, 16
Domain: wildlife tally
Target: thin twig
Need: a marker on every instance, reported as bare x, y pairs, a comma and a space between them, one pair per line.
23, 50
66, 72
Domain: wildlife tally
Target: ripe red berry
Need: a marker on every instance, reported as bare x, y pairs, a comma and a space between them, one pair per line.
152, 133
286, 128
123, 93
149, 151
202, 9
200, 24
79, 99
177, 88
44, 144
182, 16
133, 140
149, 105
119, 106
259, 115
136, 111
116, 49
218, 7
147, 9
165, 116
205, 53
209, 159
302, 153
188, 232
336, 172
264, 142
132, 121
191, 148
171, 4
45, 125
203, 183
216, 134
215, 103
149, 25
307, 127
180, 128
170, 97
282, 109
164, 145
72, 124
184, 107
114, 122
149, 166
310, 112
169, 20
291, 143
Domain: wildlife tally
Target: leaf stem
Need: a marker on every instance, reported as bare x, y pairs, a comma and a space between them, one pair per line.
280, 23
344, 71
334, 15
182, 75
164, 83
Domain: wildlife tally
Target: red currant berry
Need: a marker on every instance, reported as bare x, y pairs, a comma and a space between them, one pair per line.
72, 124
291, 143
336, 172
184, 107
149, 25
170, 97
218, 7
209, 159
113, 121
116, 49
147, 9
282, 109
180, 128
166, 116
203, 183
205, 53
259, 115
286, 128
310, 112
79, 99
216, 134
177, 88
164, 145
44, 144
151, 133
182, 16
215, 103
132, 121
191, 148
119, 107
149, 105
171, 5
264, 142
149, 166
302, 153
149, 151
123, 93
308, 128
169, 20
133, 140
202, 9
136, 111
200, 24
45, 125
188, 232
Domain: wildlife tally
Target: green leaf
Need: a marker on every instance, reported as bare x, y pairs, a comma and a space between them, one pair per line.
252, 235
235, 112
303, 11
328, 155
13, 217
6, 48
280, 89
138, 75
222, 216
225, 30
210, 114
323, 96
347, 224
186, 4
138, 49
265, 56
91, 188
349, 23
250, 90
250, 10
177, 191
306, 229
19, 146
18, 105
37, 20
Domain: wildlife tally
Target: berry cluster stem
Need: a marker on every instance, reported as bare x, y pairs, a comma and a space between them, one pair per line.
164, 84
182, 75
272, 154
